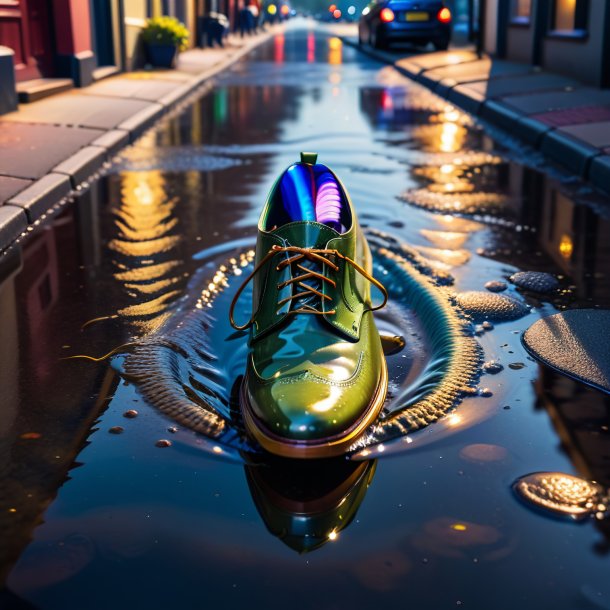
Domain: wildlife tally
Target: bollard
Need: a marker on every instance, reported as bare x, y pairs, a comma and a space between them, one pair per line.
8, 91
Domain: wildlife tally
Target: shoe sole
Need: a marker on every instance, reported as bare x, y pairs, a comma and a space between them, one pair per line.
331, 446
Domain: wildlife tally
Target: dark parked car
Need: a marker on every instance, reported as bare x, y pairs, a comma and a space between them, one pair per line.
386, 21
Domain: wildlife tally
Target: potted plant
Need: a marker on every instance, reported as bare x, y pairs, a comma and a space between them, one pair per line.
164, 37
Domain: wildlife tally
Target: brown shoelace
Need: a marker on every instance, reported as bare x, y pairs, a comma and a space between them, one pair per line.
299, 255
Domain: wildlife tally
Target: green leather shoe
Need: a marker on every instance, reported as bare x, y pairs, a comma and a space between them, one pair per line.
316, 376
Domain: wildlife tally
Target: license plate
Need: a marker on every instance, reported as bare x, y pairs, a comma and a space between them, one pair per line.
417, 16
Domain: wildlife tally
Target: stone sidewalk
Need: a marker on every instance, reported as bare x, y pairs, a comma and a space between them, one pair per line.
49, 147
566, 120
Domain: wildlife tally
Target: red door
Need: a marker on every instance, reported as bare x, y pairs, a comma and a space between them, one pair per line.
24, 27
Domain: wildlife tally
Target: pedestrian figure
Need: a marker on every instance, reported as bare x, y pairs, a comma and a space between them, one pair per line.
254, 12
244, 21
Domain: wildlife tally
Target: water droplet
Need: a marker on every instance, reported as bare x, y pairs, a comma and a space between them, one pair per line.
516, 366
558, 493
536, 281
493, 367
163, 443
496, 286
130, 414
116, 430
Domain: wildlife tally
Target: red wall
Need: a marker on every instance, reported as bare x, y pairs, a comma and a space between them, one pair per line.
72, 26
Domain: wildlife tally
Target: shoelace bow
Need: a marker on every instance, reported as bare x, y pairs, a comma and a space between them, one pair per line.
299, 255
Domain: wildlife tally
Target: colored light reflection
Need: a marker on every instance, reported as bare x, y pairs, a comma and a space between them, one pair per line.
387, 103
448, 137
272, 9
146, 229
335, 51
285, 9
566, 247
221, 106
311, 47
278, 49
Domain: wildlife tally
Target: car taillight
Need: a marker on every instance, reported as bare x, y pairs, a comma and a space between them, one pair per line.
444, 15
386, 15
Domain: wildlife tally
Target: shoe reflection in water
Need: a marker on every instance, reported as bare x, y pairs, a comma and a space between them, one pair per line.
307, 504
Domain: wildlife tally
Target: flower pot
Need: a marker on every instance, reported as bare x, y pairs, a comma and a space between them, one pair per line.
161, 55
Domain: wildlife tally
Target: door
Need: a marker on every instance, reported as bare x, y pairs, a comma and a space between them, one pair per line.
24, 27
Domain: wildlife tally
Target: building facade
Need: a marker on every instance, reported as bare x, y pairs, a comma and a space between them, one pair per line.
47, 46
570, 37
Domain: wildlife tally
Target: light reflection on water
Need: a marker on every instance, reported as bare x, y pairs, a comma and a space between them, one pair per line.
441, 513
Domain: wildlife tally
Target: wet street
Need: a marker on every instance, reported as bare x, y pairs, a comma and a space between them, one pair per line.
127, 481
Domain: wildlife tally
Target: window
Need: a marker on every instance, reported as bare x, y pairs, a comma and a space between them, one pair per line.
570, 15
521, 9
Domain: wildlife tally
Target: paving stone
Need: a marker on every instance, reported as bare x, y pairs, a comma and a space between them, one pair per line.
135, 86
140, 121
10, 186
12, 223
466, 98
532, 103
531, 130
41, 195
599, 172
30, 151
567, 150
431, 61
200, 60
595, 134
444, 87
575, 116
499, 114
517, 85
177, 94
174, 76
113, 141
408, 67
477, 70
82, 164
431, 83
79, 109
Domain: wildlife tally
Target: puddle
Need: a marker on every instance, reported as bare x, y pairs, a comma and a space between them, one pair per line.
150, 254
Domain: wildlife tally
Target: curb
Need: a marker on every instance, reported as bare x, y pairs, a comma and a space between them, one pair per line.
37, 198
30, 204
587, 162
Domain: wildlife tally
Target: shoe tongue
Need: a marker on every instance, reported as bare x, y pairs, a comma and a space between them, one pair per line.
305, 234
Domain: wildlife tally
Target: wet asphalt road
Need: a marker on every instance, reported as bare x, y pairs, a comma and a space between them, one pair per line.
435, 525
